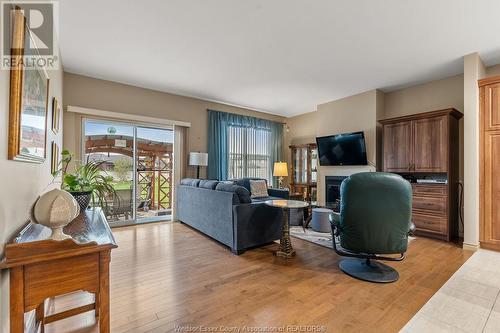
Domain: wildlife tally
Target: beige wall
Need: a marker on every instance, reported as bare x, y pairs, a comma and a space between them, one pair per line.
434, 95
493, 70
302, 128
21, 182
111, 96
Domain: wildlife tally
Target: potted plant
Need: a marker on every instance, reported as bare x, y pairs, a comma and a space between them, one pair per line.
87, 182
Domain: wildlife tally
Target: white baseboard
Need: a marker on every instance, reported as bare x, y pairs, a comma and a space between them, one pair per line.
470, 247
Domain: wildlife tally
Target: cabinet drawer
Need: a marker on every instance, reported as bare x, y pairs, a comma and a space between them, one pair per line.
429, 189
433, 205
429, 223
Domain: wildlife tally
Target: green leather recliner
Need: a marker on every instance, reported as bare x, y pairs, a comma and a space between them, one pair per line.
374, 222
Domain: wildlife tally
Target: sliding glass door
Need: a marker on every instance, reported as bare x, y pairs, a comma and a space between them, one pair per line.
140, 160
154, 173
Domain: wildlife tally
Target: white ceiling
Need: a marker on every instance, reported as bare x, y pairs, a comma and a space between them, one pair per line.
278, 56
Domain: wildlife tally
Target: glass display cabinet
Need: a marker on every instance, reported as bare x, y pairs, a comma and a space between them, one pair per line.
304, 173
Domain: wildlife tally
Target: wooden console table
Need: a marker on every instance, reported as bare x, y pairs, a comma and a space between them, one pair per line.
41, 268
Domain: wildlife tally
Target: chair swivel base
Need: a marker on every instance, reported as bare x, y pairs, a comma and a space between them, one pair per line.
369, 270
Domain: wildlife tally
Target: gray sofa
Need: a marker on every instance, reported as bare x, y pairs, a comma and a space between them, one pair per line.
225, 212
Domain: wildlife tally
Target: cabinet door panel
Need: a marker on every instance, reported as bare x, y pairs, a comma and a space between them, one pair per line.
430, 153
300, 156
492, 107
397, 147
492, 187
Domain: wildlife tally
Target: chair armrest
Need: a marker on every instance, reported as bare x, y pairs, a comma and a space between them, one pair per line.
278, 192
335, 223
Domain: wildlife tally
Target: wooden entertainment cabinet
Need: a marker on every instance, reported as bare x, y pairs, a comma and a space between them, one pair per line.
425, 146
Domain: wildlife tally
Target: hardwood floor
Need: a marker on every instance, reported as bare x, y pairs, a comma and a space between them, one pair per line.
167, 275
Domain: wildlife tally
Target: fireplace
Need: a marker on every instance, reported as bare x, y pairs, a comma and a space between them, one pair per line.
332, 191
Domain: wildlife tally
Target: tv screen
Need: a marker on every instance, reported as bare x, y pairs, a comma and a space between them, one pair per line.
342, 149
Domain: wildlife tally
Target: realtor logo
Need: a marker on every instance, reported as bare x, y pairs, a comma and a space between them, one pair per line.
28, 29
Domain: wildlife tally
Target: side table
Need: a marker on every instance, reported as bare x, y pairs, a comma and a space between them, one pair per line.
286, 250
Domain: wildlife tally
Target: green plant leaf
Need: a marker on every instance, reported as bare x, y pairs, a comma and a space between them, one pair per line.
90, 176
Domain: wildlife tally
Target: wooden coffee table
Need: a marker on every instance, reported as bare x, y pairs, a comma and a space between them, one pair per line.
286, 250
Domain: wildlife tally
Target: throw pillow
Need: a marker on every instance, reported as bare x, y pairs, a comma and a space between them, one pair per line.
258, 188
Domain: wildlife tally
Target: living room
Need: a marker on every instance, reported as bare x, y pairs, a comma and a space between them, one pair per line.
256, 166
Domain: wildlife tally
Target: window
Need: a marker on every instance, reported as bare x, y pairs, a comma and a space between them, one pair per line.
249, 153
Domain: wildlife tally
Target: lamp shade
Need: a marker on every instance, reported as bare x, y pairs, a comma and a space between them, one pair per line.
280, 169
199, 159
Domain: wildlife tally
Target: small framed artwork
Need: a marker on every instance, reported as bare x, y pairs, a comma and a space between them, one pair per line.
29, 89
55, 157
56, 115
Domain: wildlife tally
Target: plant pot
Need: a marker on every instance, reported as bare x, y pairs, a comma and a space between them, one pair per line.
83, 199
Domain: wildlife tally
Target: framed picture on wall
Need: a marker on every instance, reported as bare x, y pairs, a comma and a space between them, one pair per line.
56, 115
28, 100
54, 163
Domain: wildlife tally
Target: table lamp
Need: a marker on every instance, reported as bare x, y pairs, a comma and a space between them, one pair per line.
280, 171
198, 159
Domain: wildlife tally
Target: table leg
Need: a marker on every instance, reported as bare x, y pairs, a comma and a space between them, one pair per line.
40, 314
17, 299
309, 217
104, 292
285, 250
96, 302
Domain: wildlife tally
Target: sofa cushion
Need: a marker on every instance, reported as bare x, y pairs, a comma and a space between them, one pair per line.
241, 192
190, 182
208, 184
245, 182
258, 188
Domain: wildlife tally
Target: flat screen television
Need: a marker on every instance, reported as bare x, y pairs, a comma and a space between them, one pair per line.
342, 149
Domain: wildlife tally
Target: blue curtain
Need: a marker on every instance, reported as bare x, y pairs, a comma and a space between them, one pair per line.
218, 124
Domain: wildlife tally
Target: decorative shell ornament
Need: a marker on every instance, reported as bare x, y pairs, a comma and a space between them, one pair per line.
55, 209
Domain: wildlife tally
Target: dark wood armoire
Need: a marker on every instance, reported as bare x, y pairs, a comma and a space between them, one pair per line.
424, 148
